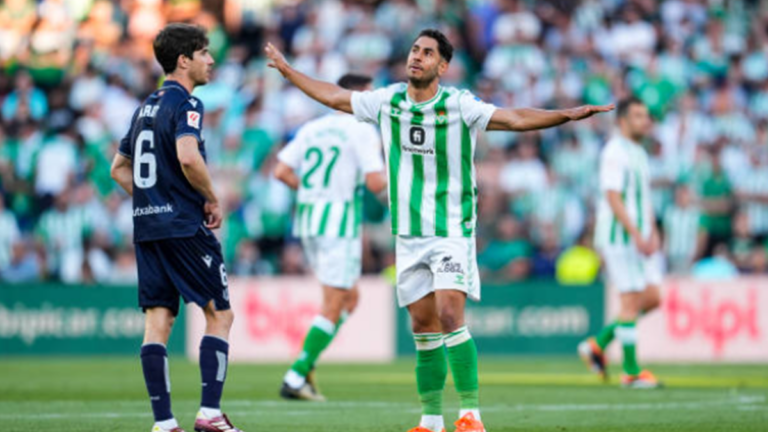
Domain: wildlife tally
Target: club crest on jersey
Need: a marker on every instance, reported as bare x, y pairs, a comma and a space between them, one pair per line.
418, 135
193, 119
441, 117
396, 112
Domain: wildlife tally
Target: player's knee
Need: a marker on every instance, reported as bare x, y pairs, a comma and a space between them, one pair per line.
450, 319
353, 297
652, 302
629, 311
222, 320
425, 324
158, 329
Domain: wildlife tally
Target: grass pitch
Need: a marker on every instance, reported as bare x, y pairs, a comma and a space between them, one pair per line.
107, 394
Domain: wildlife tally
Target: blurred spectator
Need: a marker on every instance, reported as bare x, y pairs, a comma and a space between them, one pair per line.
24, 97
292, 260
741, 244
544, 260
683, 234
507, 255
525, 172
754, 192
9, 233
57, 162
716, 267
23, 266
716, 203
62, 231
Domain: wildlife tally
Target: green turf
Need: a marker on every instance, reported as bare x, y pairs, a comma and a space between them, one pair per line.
68, 395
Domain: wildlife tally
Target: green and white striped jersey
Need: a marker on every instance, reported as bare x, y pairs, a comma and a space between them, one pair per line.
756, 182
430, 148
624, 168
331, 155
681, 231
64, 231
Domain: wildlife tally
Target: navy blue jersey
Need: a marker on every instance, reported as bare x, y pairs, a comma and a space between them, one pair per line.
165, 205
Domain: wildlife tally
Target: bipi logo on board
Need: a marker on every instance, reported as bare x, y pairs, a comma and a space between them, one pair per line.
719, 320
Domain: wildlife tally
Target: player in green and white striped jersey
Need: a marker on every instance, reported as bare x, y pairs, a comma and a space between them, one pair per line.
429, 134
627, 237
328, 162
683, 232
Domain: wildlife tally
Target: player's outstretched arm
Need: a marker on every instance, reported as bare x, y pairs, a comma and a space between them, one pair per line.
526, 119
193, 166
122, 172
285, 174
326, 93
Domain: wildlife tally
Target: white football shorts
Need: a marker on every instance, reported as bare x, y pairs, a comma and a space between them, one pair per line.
335, 261
426, 264
630, 271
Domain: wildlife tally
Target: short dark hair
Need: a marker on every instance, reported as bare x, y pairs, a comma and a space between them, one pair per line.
178, 39
623, 107
354, 81
443, 44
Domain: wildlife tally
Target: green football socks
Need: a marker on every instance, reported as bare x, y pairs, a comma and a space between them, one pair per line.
431, 372
626, 332
318, 338
606, 335
462, 355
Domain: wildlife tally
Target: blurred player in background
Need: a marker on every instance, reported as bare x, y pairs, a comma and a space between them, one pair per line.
628, 240
429, 133
161, 163
327, 162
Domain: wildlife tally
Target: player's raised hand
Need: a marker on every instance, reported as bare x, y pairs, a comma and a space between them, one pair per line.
213, 215
585, 111
276, 57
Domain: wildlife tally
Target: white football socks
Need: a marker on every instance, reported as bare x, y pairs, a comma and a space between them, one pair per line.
294, 380
168, 424
210, 413
475, 412
432, 422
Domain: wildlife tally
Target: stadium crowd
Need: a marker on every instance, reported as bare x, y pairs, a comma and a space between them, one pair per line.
73, 72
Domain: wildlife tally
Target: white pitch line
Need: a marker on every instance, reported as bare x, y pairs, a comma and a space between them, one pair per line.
744, 403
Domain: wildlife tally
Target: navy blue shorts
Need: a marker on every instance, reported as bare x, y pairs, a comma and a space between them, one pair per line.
190, 266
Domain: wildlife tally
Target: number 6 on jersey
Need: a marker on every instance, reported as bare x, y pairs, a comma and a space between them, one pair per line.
145, 160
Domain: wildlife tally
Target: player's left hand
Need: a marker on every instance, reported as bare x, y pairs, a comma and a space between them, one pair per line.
585, 111
213, 215
655, 241
276, 58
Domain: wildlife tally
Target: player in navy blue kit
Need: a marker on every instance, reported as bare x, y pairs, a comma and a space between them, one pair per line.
161, 163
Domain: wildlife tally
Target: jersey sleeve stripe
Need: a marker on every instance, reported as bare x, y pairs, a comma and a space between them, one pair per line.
394, 157
467, 192
441, 155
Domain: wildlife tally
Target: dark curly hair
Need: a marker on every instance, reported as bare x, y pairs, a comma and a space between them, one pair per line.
175, 40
